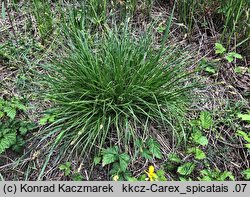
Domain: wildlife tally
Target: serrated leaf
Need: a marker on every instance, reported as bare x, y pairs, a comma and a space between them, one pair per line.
173, 157
10, 112
146, 154
139, 143
186, 169
20, 106
160, 172
206, 120
219, 49
112, 150
226, 175
7, 140
44, 120
202, 140
67, 172
199, 138
108, 159
206, 172
30, 126
97, 160
66, 168
229, 58
110, 155
77, 177
18, 146
199, 154
154, 148
124, 161
210, 70
23, 130
246, 173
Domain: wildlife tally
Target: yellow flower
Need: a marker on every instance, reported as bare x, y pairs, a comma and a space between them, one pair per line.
115, 178
151, 174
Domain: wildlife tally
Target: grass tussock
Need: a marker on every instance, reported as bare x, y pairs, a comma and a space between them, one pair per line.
116, 87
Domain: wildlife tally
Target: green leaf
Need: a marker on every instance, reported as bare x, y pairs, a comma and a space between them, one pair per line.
20, 106
66, 168
244, 117
154, 148
43, 120
3, 11
97, 160
230, 56
23, 130
131, 179
110, 155
47, 118
161, 175
210, 70
199, 138
146, 154
246, 173
194, 123
205, 178
7, 140
124, 161
185, 179
226, 175
142, 177
11, 112
238, 70
77, 177
199, 154
202, 140
219, 49
173, 157
30, 126
244, 135
160, 29
247, 146
206, 172
51, 118
139, 143
206, 120
112, 150
19, 145
108, 159
186, 169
